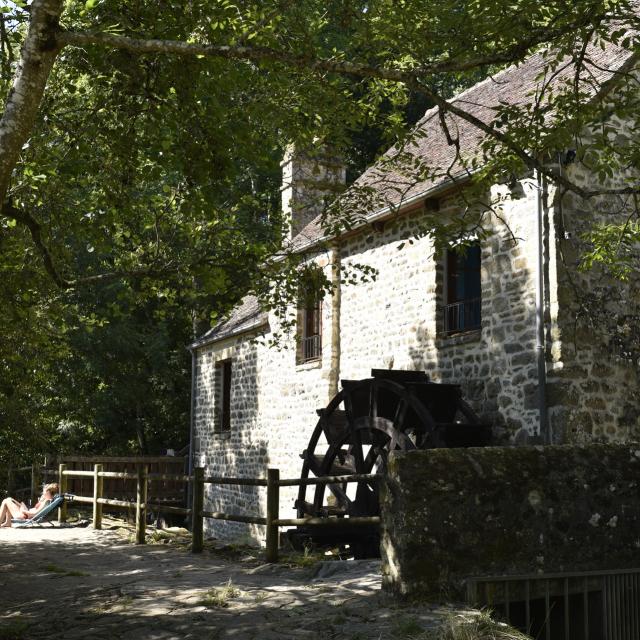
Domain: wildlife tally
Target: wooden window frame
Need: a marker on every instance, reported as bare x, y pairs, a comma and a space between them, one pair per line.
309, 335
463, 315
224, 377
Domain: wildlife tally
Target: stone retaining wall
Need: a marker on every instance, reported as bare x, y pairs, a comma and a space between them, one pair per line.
450, 514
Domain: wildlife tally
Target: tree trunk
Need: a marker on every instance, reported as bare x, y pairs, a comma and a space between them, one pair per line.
21, 109
140, 431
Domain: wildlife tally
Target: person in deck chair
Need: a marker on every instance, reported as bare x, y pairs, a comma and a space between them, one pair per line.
11, 508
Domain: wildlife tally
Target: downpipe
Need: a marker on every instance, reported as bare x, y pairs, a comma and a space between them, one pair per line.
541, 195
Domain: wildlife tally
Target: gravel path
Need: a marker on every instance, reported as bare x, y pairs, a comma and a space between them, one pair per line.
78, 583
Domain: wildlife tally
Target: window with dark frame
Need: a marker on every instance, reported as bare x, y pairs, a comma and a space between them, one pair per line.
223, 374
309, 329
462, 290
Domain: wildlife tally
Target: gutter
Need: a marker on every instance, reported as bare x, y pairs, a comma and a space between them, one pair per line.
336, 296
217, 338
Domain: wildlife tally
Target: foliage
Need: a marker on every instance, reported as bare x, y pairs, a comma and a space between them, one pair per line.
615, 245
144, 200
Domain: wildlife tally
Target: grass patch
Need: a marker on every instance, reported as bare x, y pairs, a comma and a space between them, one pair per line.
14, 630
339, 619
121, 603
408, 628
233, 551
175, 536
218, 597
308, 558
54, 568
477, 627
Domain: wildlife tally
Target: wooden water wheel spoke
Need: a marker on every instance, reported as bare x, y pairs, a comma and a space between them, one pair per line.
373, 400
324, 466
343, 499
401, 413
356, 451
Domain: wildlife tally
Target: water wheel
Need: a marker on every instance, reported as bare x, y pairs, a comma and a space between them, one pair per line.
365, 421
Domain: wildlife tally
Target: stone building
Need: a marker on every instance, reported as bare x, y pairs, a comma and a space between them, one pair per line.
499, 319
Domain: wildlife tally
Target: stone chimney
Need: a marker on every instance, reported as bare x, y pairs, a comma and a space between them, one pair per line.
310, 180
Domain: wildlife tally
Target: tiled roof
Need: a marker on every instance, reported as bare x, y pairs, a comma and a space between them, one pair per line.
388, 188
245, 316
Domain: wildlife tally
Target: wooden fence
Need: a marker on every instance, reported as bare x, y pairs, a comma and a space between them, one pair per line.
143, 478
26, 482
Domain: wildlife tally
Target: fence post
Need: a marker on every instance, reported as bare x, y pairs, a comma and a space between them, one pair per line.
97, 494
62, 488
141, 504
35, 479
197, 506
273, 512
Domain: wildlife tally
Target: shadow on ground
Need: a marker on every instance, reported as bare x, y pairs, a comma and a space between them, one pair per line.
79, 583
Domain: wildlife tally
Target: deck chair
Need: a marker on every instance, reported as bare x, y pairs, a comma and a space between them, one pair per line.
40, 517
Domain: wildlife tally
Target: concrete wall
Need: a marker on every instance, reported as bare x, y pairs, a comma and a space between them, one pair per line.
449, 514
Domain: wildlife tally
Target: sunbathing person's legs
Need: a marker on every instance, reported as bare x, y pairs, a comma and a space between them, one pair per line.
5, 518
10, 508
5, 513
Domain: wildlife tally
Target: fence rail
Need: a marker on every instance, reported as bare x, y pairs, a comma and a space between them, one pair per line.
167, 476
196, 510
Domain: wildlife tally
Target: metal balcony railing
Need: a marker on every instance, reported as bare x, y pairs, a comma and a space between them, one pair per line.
462, 316
310, 348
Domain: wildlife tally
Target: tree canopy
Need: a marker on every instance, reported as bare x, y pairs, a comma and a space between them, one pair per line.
139, 166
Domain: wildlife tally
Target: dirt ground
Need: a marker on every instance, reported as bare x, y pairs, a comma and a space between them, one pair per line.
78, 583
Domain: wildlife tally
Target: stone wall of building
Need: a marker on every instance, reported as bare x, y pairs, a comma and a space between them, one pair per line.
452, 514
392, 322
273, 411
594, 378
396, 321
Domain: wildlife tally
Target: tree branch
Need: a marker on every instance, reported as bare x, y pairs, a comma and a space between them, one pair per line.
513, 53
45, 39
413, 78
27, 220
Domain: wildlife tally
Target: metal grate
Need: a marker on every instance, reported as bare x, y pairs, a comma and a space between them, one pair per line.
595, 605
462, 316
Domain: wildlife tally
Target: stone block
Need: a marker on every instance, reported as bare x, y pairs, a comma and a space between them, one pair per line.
523, 358
449, 514
530, 396
561, 394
